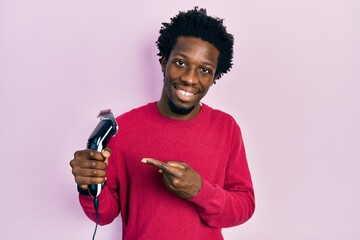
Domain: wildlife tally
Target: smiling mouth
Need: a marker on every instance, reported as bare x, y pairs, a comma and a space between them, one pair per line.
185, 93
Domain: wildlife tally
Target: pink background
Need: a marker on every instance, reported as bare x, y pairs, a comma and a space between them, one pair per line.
294, 90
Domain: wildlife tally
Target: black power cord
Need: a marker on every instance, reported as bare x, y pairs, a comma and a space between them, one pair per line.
96, 206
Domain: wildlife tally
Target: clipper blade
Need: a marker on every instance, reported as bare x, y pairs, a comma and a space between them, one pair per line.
107, 114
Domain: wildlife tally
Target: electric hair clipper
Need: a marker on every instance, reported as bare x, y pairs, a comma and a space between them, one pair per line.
99, 138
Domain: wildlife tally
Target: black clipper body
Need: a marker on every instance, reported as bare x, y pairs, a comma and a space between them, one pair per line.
99, 138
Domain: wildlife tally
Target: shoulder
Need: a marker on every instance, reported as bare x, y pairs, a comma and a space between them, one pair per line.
219, 115
136, 113
221, 120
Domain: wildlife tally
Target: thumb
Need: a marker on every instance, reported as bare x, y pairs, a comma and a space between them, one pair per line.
107, 149
106, 154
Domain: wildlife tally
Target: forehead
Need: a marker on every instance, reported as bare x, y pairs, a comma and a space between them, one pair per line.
196, 49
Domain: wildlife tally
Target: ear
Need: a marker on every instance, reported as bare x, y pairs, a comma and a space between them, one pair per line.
163, 62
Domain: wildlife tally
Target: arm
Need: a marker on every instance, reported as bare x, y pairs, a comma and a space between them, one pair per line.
234, 203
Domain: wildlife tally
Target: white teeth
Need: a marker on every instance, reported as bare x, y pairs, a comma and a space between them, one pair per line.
187, 94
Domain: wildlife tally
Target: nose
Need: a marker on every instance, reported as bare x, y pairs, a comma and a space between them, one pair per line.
191, 76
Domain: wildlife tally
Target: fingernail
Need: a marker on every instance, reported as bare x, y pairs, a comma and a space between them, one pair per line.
106, 154
143, 160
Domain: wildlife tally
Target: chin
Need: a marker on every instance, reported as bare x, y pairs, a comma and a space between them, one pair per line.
180, 109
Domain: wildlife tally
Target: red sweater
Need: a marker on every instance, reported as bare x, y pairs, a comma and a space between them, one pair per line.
211, 144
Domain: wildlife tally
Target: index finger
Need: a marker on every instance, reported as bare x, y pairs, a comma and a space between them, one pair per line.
162, 166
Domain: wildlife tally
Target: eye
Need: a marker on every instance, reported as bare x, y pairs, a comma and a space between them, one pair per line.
205, 70
179, 63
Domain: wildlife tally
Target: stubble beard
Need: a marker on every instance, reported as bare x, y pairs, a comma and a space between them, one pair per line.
178, 109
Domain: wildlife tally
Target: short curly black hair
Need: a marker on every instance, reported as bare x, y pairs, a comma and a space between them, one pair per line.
196, 23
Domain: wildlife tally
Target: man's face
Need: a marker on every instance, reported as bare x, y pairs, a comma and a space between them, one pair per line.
188, 74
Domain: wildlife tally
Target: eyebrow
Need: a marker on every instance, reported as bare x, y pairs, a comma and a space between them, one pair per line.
186, 57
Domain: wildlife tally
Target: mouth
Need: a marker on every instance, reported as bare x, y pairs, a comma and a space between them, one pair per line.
184, 93
185, 90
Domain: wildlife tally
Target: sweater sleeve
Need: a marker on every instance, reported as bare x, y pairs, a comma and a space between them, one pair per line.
108, 207
234, 203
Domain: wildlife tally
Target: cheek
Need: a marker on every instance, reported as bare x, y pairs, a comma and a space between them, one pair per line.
207, 82
172, 73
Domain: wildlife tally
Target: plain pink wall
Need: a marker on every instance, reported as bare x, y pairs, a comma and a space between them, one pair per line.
294, 90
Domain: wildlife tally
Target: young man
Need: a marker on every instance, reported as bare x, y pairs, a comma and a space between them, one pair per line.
177, 168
